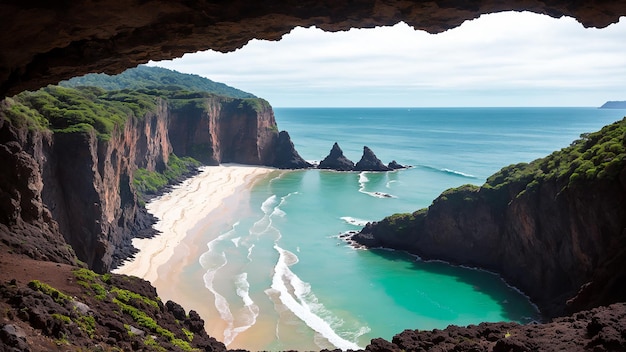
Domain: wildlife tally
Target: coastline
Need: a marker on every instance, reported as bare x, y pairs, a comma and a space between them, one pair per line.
180, 210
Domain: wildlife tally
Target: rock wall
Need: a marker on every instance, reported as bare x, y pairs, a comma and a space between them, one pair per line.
88, 185
223, 130
26, 224
80, 186
46, 42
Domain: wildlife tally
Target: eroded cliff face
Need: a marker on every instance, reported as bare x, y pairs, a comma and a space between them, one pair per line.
26, 224
79, 185
223, 130
88, 185
562, 242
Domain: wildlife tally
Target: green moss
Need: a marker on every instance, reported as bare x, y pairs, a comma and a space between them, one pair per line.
189, 334
63, 318
44, 288
142, 319
85, 275
87, 323
153, 344
127, 296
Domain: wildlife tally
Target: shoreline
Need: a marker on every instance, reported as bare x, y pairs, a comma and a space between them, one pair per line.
179, 211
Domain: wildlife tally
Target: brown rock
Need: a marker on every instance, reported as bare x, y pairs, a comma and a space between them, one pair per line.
45, 43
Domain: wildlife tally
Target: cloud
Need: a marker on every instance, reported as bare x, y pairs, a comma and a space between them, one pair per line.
510, 58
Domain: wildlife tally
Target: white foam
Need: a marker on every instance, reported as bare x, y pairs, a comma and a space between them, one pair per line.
388, 184
236, 241
458, 173
354, 221
268, 204
279, 212
243, 288
250, 252
363, 180
302, 302
248, 315
221, 304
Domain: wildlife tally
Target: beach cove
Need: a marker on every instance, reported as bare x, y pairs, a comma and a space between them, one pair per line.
267, 270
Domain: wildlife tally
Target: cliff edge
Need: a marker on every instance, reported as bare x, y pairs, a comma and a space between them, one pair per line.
554, 228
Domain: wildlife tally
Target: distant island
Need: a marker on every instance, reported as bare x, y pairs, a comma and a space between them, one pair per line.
614, 105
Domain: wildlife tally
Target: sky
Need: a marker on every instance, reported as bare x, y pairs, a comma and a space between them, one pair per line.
503, 59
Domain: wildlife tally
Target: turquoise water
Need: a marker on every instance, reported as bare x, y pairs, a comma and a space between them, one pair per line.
278, 260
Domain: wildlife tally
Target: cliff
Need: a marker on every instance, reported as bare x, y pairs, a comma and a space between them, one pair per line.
555, 228
76, 151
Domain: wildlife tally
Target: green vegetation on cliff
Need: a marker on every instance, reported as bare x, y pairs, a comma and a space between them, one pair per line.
595, 156
143, 77
84, 109
150, 182
598, 155
69, 110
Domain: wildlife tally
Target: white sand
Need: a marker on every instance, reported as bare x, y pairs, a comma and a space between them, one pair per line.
181, 209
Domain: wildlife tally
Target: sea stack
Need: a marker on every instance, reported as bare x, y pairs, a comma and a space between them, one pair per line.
369, 162
286, 155
336, 160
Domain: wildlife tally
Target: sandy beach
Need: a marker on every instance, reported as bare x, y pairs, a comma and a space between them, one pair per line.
180, 210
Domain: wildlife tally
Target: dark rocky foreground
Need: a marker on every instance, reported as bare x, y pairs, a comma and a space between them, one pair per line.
57, 307
600, 329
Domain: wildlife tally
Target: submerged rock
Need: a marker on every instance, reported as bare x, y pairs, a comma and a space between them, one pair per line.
336, 160
369, 162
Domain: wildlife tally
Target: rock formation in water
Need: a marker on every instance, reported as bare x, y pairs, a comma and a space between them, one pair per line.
369, 162
553, 228
46, 42
286, 156
335, 160
393, 165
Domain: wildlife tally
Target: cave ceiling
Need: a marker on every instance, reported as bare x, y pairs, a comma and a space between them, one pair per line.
44, 41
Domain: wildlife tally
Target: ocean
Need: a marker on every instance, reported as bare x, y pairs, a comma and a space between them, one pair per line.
280, 277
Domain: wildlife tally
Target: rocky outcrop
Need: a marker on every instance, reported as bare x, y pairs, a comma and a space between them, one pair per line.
26, 224
49, 42
393, 165
286, 156
599, 329
335, 160
77, 309
369, 162
556, 235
